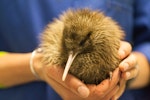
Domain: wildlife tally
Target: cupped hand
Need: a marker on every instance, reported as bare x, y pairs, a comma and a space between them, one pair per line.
128, 67
74, 89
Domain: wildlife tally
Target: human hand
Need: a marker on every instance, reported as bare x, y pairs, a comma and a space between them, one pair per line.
72, 88
128, 67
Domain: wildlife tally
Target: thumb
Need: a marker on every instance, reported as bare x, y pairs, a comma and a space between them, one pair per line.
71, 82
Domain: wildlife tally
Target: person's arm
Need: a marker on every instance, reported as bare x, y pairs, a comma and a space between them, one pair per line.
14, 69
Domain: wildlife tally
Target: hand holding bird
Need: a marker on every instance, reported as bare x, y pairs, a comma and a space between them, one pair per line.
72, 88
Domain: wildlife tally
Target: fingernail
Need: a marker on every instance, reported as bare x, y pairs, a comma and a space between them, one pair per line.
83, 91
121, 54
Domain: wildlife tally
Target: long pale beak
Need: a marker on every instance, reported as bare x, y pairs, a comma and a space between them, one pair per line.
68, 64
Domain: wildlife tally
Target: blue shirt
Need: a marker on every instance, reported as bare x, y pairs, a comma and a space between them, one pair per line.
21, 22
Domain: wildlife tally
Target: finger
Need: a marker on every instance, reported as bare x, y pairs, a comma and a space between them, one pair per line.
111, 93
107, 85
59, 88
72, 83
128, 63
125, 49
77, 86
132, 73
121, 89
115, 78
114, 82
101, 89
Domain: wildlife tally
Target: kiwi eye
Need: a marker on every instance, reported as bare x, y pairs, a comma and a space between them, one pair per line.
86, 38
72, 35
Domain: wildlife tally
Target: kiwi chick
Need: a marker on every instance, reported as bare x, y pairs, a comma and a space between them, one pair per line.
84, 42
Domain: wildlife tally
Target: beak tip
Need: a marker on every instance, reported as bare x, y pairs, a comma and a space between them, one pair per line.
63, 78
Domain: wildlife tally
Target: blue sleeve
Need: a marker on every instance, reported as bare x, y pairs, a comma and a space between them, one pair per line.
30, 91
142, 27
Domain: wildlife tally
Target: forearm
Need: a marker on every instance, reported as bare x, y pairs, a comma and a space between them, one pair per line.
14, 69
143, 76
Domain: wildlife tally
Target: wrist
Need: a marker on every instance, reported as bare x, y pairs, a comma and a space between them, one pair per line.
36, 64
